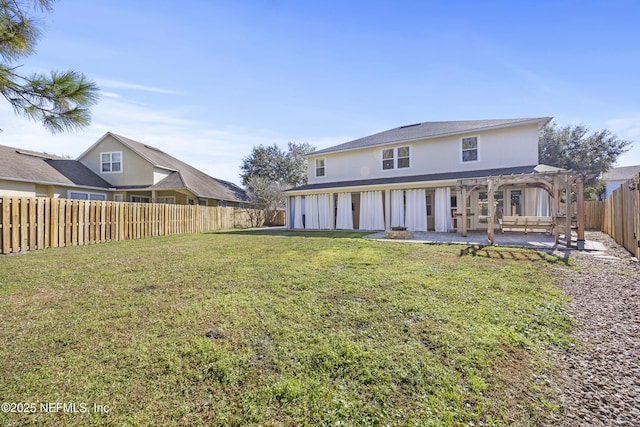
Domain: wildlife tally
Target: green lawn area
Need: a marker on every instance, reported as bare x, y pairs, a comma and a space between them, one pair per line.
313, 329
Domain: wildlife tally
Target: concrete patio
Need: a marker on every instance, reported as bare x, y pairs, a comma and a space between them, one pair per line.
540, 241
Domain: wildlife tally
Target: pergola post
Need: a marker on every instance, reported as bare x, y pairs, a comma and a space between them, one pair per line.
491, 211
580, 213
569, 213
556, 208
463, 217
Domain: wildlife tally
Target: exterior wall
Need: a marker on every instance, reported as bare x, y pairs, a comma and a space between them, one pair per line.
29, 189
135, 169
19, 189
160, 174
497, 149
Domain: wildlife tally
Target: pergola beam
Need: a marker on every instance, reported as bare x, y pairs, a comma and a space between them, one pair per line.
552, 182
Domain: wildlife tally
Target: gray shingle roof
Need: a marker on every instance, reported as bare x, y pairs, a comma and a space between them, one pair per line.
185, 175
622, 173
23, 165
429, 130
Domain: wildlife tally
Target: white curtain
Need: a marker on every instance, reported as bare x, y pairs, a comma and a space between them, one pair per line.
397, 208
442, 207
344, 220
297, 212
542, 202
371, 211
416, 215
324, 211
312, 221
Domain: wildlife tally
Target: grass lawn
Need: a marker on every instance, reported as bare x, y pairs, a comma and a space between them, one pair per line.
312, 329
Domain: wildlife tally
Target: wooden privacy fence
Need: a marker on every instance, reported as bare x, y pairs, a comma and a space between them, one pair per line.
621, 218
593, 214
37, 223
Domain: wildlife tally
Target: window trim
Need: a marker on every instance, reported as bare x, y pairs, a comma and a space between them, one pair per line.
147, 198
408, 147
395, 151
462, 150
110, 153
167, 198
324, 167
88, 194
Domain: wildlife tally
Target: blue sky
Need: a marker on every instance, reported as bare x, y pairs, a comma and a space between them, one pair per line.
208, 80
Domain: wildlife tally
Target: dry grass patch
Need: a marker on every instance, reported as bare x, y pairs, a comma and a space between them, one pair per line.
310, 329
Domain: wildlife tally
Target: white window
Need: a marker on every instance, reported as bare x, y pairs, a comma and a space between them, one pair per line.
396, 158
470, 149
111, 162
320, 170
118, 197
81, 195
167, 200
403, 157
141, 199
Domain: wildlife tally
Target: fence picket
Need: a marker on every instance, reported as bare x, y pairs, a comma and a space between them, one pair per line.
42, 222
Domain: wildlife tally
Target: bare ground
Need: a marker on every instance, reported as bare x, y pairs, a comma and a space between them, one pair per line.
598, 383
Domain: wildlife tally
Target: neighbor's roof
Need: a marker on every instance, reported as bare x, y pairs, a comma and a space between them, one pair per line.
184, 175
622, 173
17, 164
428, 130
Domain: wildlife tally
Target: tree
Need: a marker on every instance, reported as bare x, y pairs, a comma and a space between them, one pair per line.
59, 100
268, 171
574, 148
267, 197
288, 169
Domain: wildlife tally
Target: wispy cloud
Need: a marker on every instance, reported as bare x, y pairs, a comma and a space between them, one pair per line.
115, 84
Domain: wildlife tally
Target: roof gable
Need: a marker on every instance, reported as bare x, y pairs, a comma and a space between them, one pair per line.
429, 130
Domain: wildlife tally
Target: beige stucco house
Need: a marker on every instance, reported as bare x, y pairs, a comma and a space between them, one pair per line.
114, 168
410, 176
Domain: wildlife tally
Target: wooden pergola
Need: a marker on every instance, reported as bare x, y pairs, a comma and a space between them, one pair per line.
552, 181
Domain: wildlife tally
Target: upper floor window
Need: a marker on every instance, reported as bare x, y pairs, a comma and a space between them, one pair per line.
111, 162
470, 149
320, 168
396, 158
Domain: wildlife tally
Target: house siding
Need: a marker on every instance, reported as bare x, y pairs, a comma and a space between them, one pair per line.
135, 169
18, 189
497, 149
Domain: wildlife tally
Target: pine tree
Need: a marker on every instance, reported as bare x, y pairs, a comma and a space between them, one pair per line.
59, 100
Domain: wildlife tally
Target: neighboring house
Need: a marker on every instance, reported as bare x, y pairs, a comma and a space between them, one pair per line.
27, 173
114, 168
615, 177
409, 176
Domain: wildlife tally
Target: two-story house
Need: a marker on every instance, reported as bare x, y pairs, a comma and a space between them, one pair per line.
408, 176
113, 168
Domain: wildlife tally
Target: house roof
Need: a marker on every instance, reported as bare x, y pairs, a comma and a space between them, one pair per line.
425, 178
622, 173
428, 130
183, 175
31, 166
